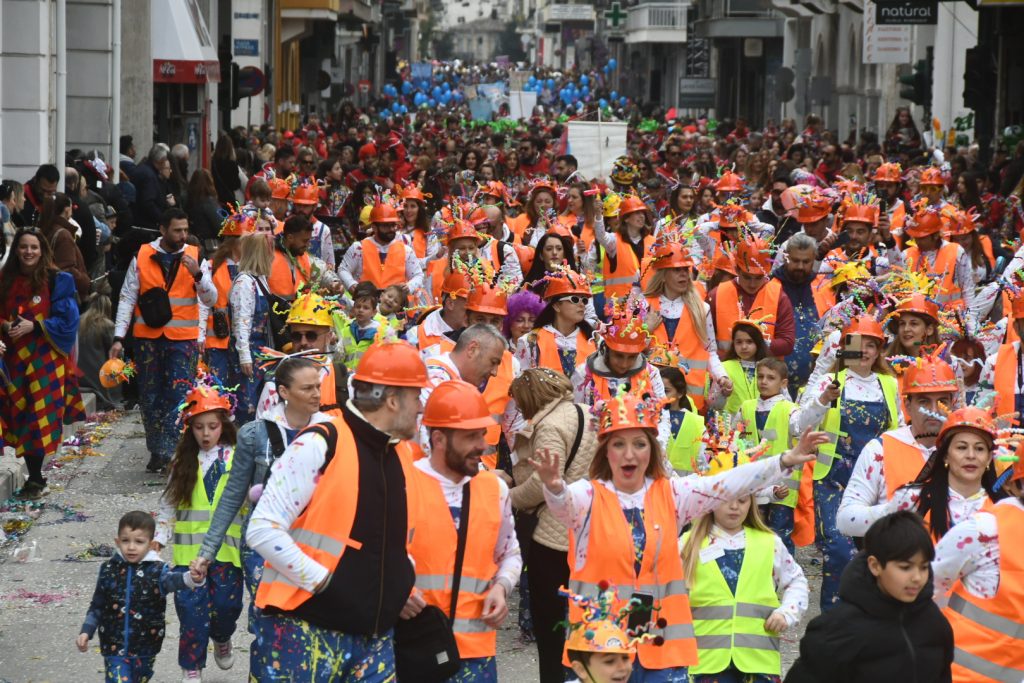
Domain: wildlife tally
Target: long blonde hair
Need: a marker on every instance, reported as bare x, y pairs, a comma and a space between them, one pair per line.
702, 527
255, 256
691, 300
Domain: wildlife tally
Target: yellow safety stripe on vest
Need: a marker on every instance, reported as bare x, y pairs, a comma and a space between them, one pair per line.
986, 668
440, 582
993, 622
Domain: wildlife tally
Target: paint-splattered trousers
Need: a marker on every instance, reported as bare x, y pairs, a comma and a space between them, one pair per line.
208, 612
166, 370
128, 669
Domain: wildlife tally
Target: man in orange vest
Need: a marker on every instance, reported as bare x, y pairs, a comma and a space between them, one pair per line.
291, 266
444, 321
889, 186
384, 258
945, 262
332, 524
475, 358
896, 458
159, 305
453, 503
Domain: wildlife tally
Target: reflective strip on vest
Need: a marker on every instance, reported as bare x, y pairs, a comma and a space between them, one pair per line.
173, 323
993, 622
697, 364
769, 434
980, 665
676, 587
743, 609
189, 539
319, 541
470, 626
193, 515
189, 301
619, 281
440, 582
747, 640
678, 632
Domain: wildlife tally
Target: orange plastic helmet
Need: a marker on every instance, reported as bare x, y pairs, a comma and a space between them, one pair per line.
672, 255
631, 204
931, 176
921, 305
753, 256
600, 636
393, 364
627, 335
925, 222
813, 209
383, 213
866, 326
968, 418
861, 213
888, 173
113, 372
493, 188
734, 217
560, 230
455, 404
961, 223
729, 182
456, 285
724, 260
485, 298
544, 186
462, 230
202, 399
412, 192
306, 194
565, 283
929, 374
279, 188
479, 216
238, 224
626, 411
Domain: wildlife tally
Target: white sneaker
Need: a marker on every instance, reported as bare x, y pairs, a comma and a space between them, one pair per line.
191, 676
223, 655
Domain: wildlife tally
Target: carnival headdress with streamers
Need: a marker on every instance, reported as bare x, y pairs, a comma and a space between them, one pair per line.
115, 371
628, 410
626, 330
603, 619
725, 447
269, 358
206, 393
237, 222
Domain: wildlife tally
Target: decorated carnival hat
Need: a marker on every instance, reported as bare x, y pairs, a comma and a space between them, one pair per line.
488, 294
849, 271
932, 176
610, 205
631, 204
865, 326
412, 193
1013, 466
309, 308
729, 182
671, 255
725, 448
888, 173
929, 373
206, 394
305, 191
754, 256
806, 203
626, 410
279, 188
961, 222
926, 220
564, 281
624, 171
601, 628
732, 214
913, 291
115, 371
626, 331
543, 184
238, 223
860, 207
762, 325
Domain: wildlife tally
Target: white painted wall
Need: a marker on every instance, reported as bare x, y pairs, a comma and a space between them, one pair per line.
26, 104
249, 22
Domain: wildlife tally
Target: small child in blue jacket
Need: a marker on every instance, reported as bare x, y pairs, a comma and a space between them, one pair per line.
130, 601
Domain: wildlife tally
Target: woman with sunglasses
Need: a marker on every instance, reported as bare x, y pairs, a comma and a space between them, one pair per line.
561, 334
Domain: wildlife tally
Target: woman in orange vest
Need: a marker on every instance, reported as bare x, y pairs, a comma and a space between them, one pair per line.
580, 209
980, 560
635, 510
626, 251
560, 339
914, 325
945, 262
963, 230
416, 225
539, 215
678, 314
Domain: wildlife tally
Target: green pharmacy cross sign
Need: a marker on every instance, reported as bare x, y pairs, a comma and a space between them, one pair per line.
615, 15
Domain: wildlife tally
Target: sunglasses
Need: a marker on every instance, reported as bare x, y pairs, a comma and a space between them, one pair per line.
574, 299
306, 162
308, 336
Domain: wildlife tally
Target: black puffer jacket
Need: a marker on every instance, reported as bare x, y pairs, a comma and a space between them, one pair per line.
872, 638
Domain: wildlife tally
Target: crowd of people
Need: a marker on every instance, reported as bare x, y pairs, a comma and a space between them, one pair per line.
653, 386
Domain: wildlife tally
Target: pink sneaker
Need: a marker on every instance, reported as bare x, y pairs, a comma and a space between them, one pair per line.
222, 654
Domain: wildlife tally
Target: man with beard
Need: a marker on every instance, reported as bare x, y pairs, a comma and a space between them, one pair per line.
334, 532
565, 166
810, 298
291, 267
453, 503
532, 161
895, 459
381, 258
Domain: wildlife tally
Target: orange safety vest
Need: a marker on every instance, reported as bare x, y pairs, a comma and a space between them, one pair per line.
619, 282
328, 393
986, 246
323, 530
901, 463
547, 349
989, 632
433, 539
587, 234
408, 452
688, 344
284, 280
222, 281
899, 217
391, 272
943, 271
1005, 382
435, 272
419, 242
728, 307
496, 395
824, 297
518, 225
184, 322
610, 558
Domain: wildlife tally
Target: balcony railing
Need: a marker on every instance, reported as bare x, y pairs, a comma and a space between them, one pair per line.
657, 22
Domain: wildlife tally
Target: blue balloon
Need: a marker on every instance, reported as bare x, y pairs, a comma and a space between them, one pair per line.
385, 114
551, 84
584, 79
579, 106
446, 98
612, 63
623, 101
406, 87
614, 95
446, 86
436, 92
602, 103
431, 103
532, 81
607, 70
457, 94
585, 90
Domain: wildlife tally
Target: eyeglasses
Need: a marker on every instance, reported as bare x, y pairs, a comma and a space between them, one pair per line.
574, 299
306, 162
308, 336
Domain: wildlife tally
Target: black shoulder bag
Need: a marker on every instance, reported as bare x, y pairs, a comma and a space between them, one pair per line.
155, 303
277, 317
425, 649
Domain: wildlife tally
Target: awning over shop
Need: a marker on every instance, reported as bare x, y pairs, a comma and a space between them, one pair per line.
182, 49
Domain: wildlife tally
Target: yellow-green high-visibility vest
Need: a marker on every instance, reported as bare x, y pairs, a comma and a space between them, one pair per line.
684, 445
192, 521
744, 387
833, 421
730, 628
776, 433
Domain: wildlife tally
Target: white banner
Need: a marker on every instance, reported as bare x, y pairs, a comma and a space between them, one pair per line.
884, 44
596, 145
521, 104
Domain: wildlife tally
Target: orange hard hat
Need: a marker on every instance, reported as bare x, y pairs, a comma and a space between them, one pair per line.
601, 637
626, 335
202, 399
383, 213
921, 305
672, 255
931, 176
753, 256
926, 221
564, 283
455, 404
861, 213
462, 230
729, 182
493, 188
306, 194
627, 411
929, 374
865, 326
393, 364
485, 298
238, 224
544, 186
631, 204
961, 222
478, 216
412, 192
724, 260
968, 418
455, 284
888, 173
114, 371
279, 188
805, 203
733, 216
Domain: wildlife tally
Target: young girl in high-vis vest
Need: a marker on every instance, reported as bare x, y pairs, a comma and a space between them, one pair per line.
748, 347
863, 398
685, 423
199, 473
736, 567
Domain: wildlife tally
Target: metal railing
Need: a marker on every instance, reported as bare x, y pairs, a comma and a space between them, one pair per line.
657, 15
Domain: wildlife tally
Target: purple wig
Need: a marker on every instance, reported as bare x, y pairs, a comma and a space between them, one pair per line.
523, 301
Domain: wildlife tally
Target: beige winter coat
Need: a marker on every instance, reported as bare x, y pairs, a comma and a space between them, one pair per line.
553, 427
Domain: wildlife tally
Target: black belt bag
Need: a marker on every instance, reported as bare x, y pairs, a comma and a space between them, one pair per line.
221, 326
155, 306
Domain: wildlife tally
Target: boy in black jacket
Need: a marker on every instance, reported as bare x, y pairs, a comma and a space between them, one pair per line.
886, 626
